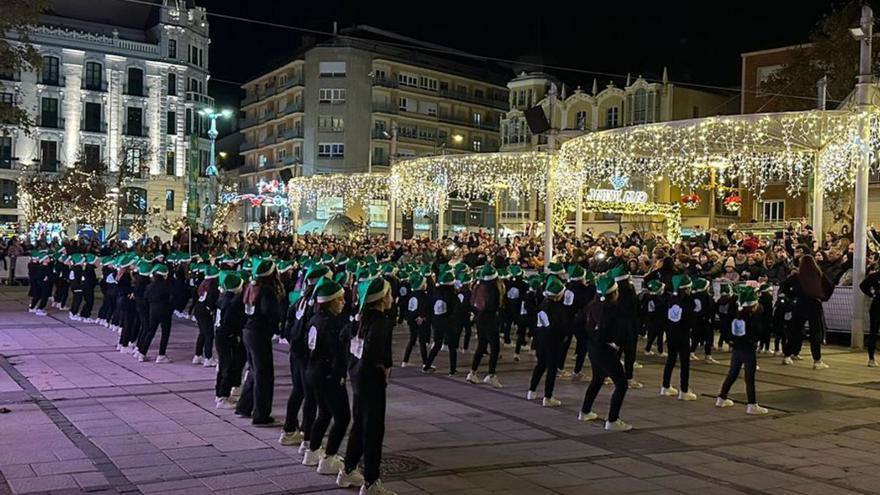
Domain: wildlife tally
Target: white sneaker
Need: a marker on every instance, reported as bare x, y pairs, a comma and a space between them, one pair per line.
668, 392
349, 480
564, 374
719, 402
141, 358
637, 365
209, 363
124, 350
711, 360
330, 464
283, 342
404, 364
312, 457
872, 363
472, 378
492, 380
693, 357
531, 395
70, 316
444, 348
688, 396
291, 438
635, 385
756, 410
303, 447
235, 392
198, 360
225, 403
89, 321
576, 377
819, 365
787, 360
663, 354
31, 310
608, 381
119, 348
377, 488
649, 353
585, 417
40, 312
797, 357
551, 402
162, 359
618, 425
516, 358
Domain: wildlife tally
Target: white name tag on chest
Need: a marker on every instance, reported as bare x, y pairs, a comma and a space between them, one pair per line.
356, 347
513, 293
674, 313
568, 299
413, 304
698, 306
439, 307
543, 320
738, 328
651, 307
313, 338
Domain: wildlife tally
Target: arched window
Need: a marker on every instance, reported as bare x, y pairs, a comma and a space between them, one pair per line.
8, 193
640, 107
49, 73
611, 117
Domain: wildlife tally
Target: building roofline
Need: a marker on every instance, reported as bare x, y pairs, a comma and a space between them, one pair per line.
776, 50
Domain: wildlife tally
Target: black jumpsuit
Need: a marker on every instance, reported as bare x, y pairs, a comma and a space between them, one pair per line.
258, 388
328, 362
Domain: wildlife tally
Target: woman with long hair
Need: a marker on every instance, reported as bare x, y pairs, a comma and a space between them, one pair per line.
810, 288
262, 302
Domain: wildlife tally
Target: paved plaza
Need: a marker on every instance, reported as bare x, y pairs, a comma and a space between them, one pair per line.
84, 418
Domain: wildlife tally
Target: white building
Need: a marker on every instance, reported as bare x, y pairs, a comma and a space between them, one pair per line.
102, 86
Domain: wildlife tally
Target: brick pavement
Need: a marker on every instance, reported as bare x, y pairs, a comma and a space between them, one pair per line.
85, 418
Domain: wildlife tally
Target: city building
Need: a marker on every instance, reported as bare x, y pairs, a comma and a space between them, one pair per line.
355, 101
122, 91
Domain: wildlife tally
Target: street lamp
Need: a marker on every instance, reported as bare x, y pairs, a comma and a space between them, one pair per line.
211, 172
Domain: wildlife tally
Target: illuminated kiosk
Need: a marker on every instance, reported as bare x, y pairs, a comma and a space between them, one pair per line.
349, 195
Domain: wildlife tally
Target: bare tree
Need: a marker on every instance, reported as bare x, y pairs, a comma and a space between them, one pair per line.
16, 17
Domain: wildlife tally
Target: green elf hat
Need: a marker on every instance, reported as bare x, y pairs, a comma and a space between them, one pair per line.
328, 290
264, 268
680, 282
535, 282
341, 259
487, 273
446, 278
341, 278
556, 269
700, 284
746, 296
619, 273
443, 267
387, 268
105, 261
655, 286
417, 281
77, 259
366, 273
160, 270
326, 259
126, 260
503, 274
370, 259
726, 289
315, 272
370, 291
294, 297
44, 256
284, 266
425, 269
589, 277
245, 275
464, 278
461, 267
247, 265
211, 272
605, 285
351, 266
765, 287
515, 271
230, 281
576, 272
554, 287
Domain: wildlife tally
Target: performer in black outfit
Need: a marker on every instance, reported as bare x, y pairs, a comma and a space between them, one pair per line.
745, 330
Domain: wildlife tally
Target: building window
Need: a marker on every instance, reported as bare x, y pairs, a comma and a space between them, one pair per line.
172, 123
170, 163
331, 69
91, 157
763, 74
172, 48
405, 79
187, 126
478, 119
611, 116
406, 104
773, 211
331, 123
48, 156
428, 83
6, 99
49, 72
94, 76
172, 84
640, 107
5, 152
135, 86
8, 194
331, 150
133, 161
380, 75
49, 113
169, 200
92, 121
331, 95
135, 201
478, 145
193, 55
580, 120
134, 121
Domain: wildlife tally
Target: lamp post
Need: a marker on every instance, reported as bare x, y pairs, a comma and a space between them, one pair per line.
212, 115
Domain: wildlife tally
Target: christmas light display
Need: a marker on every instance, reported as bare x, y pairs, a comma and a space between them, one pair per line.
354, 189
691, 201
733, 202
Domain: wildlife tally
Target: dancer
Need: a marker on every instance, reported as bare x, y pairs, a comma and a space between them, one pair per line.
745, 335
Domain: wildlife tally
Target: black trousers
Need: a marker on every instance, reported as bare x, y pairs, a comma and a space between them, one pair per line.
41, 296
61, 291
809, 312
630, 344
88, 302
467, 329
143, 314
678, 350
158, 317
205, 340
655, 333
422, 333
440, 328
580, 353
488, 338
367, 426
605, 364
507, 325
227, 347
301, 395
332, 399
873, 328
522, 328
77, 301
548, 354
258, 387
108, 305
130, 323
453, 335
703, 334
741, 356
564, 346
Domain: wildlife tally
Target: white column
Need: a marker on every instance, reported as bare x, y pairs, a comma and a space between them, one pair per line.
71, 111
154, 120
548, 223
860, 231
441, 220
818, 202
392, 219
579, 213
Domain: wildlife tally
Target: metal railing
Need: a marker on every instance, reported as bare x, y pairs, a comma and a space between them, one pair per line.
291, 108
200, 98
293, 134
385, 108
95, 86
291, 160
245, 146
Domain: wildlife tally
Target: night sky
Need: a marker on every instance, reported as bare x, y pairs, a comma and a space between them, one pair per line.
699, 42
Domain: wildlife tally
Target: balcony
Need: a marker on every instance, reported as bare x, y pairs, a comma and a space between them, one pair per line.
51, 122
266, 141
245, 146
247, 169
249, 98
381, 134
135, 131
291, 108
500, 104
385, 82
291, 82
247, 122
385, 108
95, 86
452, 119
99, 127
201, 100
293, 134
269, 115
290, 160
59, 82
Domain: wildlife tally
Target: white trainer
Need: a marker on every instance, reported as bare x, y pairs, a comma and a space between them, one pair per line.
820, 365
756, 410
492, 380
787, 360
711, 360
516, 358
719, 402
312, 457
330, 464
590, 416
472, 378
531, 395
668, 392
40, 312
349, 480
633, 384
377, 488
577, 377
872, 363
209, 363
688, 396
198, 360
551, 402
290, 438
637, 365
163, 359
303, 447
404, 364
225, 403
141, 358
618, 425
649, 353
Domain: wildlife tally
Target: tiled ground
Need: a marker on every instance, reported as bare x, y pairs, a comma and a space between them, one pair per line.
85, 418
